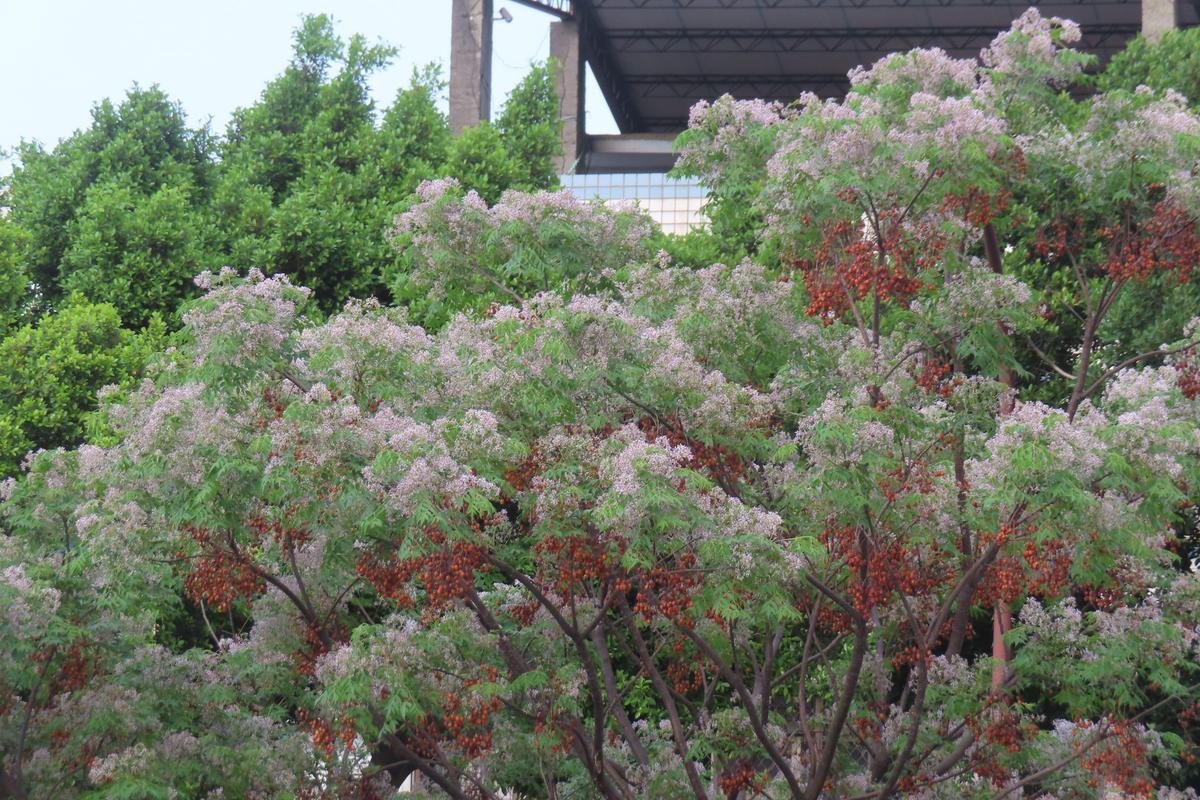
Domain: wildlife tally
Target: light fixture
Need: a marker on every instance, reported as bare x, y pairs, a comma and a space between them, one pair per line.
504, 15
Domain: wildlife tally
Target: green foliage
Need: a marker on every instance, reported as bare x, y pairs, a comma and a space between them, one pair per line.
136, 252
14, 277
138, 159
50, 373
478, 160
532, 130
414, 134
727, 145
700, 247
1171, 63
459, 254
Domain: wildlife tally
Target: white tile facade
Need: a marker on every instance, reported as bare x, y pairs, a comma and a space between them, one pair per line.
674, 203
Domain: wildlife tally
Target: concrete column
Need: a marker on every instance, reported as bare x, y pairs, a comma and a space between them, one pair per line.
1158, 17
470, 63
566, 50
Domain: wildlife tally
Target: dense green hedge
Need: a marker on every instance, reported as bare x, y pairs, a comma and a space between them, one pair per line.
49, 374
1172, 63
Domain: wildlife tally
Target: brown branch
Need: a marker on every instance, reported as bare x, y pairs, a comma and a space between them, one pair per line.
747, 701
27, 717
833, 734
1062, 373
610, 686
1133, 360
668, 701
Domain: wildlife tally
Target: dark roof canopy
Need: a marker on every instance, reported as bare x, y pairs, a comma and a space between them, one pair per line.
653, 59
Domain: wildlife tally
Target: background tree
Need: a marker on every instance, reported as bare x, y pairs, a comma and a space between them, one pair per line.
50, 372
110, 211
1171, 63
16, 297
309, 145
531, 129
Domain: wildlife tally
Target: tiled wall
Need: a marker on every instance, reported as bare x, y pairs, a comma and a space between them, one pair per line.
673, 203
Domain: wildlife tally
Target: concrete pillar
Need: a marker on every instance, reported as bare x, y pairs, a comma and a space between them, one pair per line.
1158, 17
565, 49
470, 63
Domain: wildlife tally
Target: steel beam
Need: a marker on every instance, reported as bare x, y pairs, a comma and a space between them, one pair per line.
762, 85
598, 52
747, 5
563, 9
815, 40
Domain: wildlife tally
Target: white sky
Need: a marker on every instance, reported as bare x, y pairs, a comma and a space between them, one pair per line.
59, 57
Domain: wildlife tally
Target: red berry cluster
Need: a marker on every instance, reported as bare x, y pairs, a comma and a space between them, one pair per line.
1007, 730
287, 536
1004, 730
1105, 596
524, 613
521, 475
881, 566
315, 646
220, 574
1050, 567
665, 590
570, 563
916, 476
1120, 762
466, 723
1189, 374
274, 407
848, 268
717, 461
80, 661
389, 578
830, 618
557, 727
935, 378
741, 777
686, 672
1189, 718
325, 735
912, 655
1053, 240
1003, 581
868, 728
1167, 242
449, 574
977, 206
1042, 568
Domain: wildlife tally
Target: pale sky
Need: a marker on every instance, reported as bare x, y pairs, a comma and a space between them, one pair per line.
59, 57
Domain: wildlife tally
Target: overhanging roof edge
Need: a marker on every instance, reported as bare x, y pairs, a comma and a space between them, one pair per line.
563, 9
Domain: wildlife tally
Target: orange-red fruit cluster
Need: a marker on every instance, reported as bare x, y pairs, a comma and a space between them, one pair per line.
220, 575
1120, 762
1168, 242
741, 777
666, 591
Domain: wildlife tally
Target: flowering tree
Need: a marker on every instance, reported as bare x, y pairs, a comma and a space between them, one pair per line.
459, 253
784, 531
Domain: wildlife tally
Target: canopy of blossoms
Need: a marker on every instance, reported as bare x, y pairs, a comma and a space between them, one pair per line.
793, 527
